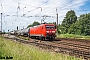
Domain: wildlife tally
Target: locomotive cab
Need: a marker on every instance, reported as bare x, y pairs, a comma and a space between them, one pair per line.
50, 31
43, 31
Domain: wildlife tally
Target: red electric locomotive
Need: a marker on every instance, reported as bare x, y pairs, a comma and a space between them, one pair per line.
43, 31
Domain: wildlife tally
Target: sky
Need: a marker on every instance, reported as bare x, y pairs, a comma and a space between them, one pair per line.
21, 13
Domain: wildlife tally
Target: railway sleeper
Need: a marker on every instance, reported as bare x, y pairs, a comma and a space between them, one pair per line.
78, 53
87, 56
65, 50
87, 53
85, 47
75, 45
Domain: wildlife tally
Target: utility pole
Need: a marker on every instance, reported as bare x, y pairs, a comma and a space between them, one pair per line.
43, 17
57, 20
1, 24
41, 21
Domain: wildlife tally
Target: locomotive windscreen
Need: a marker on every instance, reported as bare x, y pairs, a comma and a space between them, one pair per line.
49, 27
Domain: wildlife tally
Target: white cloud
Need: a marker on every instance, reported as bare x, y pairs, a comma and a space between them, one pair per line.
36, 7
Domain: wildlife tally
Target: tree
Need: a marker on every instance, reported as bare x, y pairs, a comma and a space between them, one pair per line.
34, 24
29, 26
82, 25
84, 21
69, 20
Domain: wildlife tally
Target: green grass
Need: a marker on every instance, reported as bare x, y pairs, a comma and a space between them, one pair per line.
73, 36
20, 51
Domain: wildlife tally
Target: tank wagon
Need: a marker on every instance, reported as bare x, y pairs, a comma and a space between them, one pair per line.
22, 32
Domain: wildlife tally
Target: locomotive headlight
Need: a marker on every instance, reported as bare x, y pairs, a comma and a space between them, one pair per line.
47, 31
53, 31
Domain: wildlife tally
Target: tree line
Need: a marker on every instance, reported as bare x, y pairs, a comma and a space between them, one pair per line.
72, 24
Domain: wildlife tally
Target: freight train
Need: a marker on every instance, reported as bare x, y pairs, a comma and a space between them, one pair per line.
43, 31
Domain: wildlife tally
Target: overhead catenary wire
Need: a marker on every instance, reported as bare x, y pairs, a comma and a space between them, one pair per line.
65, 5
36, 8
69, 5
18, 8
23, 9
41, 7
28, 5
44, 9
33, 9
24, 4
51, 6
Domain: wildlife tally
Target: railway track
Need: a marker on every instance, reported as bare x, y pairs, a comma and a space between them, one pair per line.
75, 40
87, 47
77, 50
